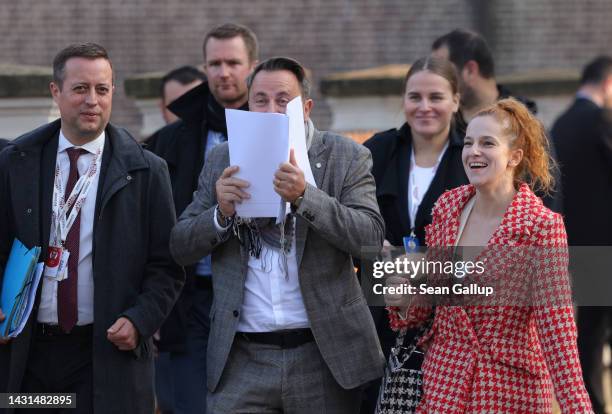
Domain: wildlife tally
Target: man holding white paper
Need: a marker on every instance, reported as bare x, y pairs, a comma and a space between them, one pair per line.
291, 331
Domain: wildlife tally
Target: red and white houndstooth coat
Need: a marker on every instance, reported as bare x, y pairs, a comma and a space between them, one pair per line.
503, 359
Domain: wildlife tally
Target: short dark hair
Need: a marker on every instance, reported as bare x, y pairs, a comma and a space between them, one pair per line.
597, 70
283, 63
465, 45
82, 50
183, 75
440, 67
231, 30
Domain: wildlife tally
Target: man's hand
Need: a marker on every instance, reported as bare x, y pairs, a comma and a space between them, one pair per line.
230, 191
289, 180
3, 341
123, 334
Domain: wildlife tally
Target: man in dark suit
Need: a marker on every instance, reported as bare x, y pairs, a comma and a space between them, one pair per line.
230, 54
583, 139
90, 331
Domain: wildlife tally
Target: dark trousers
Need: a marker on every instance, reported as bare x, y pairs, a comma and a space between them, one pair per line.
61, 364
593, 328
180, 378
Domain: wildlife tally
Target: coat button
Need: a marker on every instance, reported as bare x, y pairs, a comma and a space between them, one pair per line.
318, 165
29, 211
235, 313
129, 178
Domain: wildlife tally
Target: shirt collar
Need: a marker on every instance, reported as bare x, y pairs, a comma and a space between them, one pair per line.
91, 147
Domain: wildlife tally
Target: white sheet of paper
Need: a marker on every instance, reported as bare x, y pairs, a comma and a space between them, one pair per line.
297, 137
297, 141
258, 144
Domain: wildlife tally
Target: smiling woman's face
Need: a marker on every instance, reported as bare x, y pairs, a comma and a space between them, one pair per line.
429, 104
488, 159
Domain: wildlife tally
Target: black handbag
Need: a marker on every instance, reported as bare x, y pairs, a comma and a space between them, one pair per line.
402, 384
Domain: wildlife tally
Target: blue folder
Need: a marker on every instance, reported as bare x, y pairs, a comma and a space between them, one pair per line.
17, 282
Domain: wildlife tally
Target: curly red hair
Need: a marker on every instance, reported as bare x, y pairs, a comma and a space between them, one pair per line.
526, 133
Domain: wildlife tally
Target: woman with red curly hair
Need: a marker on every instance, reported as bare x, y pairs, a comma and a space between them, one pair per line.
502, 357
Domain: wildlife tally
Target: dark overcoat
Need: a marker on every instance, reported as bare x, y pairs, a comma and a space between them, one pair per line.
134, 275
182, 144
582, 136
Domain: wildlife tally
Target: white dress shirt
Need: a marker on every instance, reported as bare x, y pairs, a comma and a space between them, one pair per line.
47, 311
272, 296
419, 180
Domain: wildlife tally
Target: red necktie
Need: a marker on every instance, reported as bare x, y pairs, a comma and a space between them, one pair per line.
67, 309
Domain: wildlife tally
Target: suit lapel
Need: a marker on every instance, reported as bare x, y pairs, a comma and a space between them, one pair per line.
516, 223
318, 164
394, 182
106, 157
47, 174
450, 216
114, 178
403, 173
122, 155
32, 171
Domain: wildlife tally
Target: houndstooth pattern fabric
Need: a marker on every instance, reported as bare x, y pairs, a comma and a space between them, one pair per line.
504, 359
402, 385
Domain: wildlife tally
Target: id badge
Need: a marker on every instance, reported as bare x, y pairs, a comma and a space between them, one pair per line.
62, 270
411, 244
54, 258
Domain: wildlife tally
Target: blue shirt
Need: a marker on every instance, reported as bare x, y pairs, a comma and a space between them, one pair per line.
214, 138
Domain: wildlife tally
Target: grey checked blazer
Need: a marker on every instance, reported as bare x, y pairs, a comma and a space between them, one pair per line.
333, 222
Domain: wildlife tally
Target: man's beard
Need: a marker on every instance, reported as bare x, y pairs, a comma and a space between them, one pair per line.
231, 100
468, 98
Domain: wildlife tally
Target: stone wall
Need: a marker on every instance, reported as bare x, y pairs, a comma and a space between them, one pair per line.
328, 36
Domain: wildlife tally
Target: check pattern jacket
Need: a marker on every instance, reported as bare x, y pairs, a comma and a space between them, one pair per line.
504, 359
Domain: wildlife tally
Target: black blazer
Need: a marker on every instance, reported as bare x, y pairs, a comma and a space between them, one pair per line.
3, 143
391, 155
583, 140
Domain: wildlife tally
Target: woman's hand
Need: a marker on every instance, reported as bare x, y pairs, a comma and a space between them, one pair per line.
399, 297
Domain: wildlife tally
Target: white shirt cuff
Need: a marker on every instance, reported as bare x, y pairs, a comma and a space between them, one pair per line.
218, 226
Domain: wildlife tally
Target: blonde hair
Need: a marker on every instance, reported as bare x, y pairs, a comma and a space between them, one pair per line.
526, 133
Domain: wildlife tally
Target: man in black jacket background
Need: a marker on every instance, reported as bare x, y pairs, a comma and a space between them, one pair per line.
583, 139
230, 54
175, 84
473, 59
